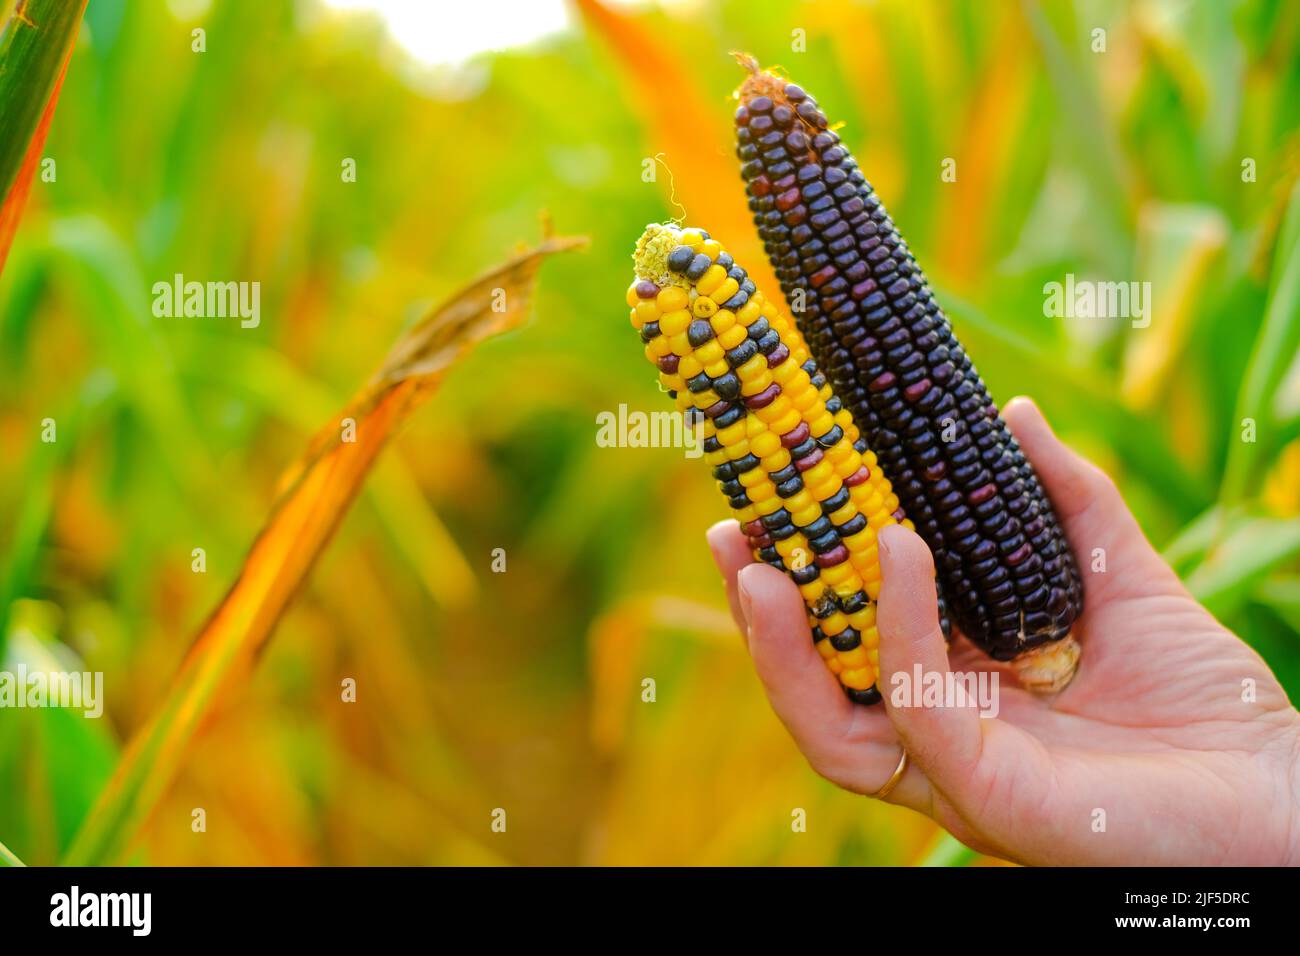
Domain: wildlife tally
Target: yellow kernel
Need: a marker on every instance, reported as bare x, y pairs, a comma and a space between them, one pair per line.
753, 477
688, 366
712, 248
855, 658
821, 424
818, 473
749, 312
632, 297
825, 648
674, 323
791, 544
725, 291
805, 516
804, 401
845, 468
834, 624
722, 321
756, 384
673, 383
763, 492
859, 678
860, 622
786, 372
636, 319
786, 423
717, 369
840, 574
753, 368
746, 514
822, 490
767, 506
732, 434
841, 515
732, 336
712, 279
866, 538
775, 409
764, 445
703, 307
710, 353
776, 460
738, 451
672, 299
801, 500
681, 345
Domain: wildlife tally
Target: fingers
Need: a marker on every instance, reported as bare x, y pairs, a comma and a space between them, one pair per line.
731, 553
1089, 505
944, 741
803, 692
850, 745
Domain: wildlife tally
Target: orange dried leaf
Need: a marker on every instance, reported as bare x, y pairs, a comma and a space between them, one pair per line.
316, 494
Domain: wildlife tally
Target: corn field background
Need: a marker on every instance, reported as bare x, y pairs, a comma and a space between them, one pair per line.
1172, 157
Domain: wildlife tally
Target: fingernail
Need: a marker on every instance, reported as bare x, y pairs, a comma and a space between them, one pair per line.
746, 601
882, 540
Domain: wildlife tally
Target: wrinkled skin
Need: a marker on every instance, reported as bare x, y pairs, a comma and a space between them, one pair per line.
1153, 730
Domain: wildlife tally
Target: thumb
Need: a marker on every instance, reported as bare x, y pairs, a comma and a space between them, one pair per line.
944, 741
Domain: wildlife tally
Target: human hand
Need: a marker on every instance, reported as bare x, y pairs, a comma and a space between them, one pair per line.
1156, 730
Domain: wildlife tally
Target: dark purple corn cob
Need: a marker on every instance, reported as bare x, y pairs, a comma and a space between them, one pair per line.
875, 330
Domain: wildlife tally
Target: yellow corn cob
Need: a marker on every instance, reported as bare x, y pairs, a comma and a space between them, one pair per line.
782, 446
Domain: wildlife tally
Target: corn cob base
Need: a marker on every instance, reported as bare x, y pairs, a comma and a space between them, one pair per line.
874, 326
781, 444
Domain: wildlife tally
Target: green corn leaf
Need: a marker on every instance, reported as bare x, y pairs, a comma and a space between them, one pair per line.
1282, 594
7, 857
1275, 350
1248, 553
35, 39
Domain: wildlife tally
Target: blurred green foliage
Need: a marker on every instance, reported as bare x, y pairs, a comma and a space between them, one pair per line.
522, 690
